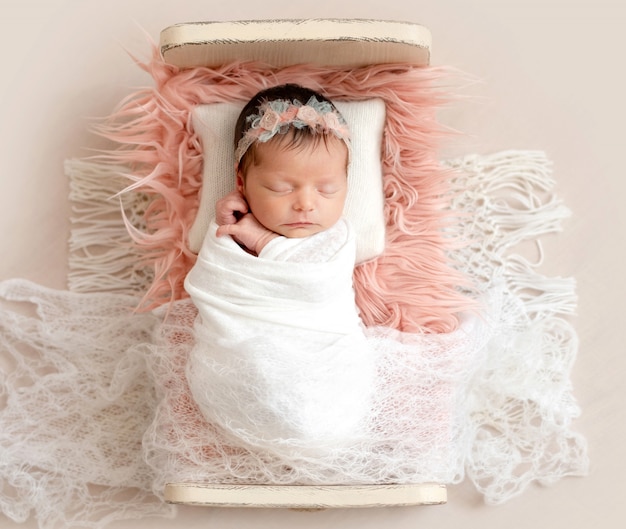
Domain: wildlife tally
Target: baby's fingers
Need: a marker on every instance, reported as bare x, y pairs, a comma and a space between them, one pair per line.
225, 229
230, 209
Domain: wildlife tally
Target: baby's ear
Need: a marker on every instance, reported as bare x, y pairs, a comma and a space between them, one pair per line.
238, 179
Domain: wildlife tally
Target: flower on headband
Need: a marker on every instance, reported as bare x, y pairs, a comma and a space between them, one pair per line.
331, 121
308, 115
270, 120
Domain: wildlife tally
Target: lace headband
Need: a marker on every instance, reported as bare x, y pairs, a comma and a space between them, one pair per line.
276, 117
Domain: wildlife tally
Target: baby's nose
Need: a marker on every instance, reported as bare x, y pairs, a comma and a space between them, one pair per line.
305, 200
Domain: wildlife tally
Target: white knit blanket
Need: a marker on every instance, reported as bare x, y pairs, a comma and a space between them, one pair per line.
280, 358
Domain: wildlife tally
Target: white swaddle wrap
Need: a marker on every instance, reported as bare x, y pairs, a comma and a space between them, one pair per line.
280, 356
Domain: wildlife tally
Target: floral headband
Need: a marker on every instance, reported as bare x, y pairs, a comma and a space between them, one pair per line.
277, 116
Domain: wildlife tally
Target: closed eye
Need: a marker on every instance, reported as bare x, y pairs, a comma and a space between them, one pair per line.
280, 189
328, 190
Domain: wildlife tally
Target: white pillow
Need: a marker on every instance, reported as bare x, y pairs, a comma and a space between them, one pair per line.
215, 125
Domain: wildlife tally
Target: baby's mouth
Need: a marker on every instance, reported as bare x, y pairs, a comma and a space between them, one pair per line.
299, 223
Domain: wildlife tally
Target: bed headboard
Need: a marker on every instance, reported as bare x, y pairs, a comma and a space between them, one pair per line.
280, 43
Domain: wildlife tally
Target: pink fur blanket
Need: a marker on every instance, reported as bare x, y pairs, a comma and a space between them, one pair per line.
412, 287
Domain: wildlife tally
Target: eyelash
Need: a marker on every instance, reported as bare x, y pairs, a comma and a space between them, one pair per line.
286, 191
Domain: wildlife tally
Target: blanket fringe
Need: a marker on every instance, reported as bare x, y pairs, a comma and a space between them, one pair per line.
506, 205
102, 257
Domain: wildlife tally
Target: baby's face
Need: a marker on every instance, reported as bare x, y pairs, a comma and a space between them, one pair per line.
297, 192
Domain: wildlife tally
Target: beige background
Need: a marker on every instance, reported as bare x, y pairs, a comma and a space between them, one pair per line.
551, 77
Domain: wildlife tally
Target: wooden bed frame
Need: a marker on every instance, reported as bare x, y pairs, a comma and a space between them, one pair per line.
280, 43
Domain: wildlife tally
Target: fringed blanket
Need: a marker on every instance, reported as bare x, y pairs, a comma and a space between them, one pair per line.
96, 415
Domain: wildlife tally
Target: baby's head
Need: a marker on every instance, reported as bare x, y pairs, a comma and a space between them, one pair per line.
292, 151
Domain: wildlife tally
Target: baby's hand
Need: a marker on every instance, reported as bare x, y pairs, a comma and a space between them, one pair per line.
248, 232
230, 208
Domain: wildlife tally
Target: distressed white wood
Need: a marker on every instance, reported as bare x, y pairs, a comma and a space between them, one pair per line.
306, 497
323, 42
